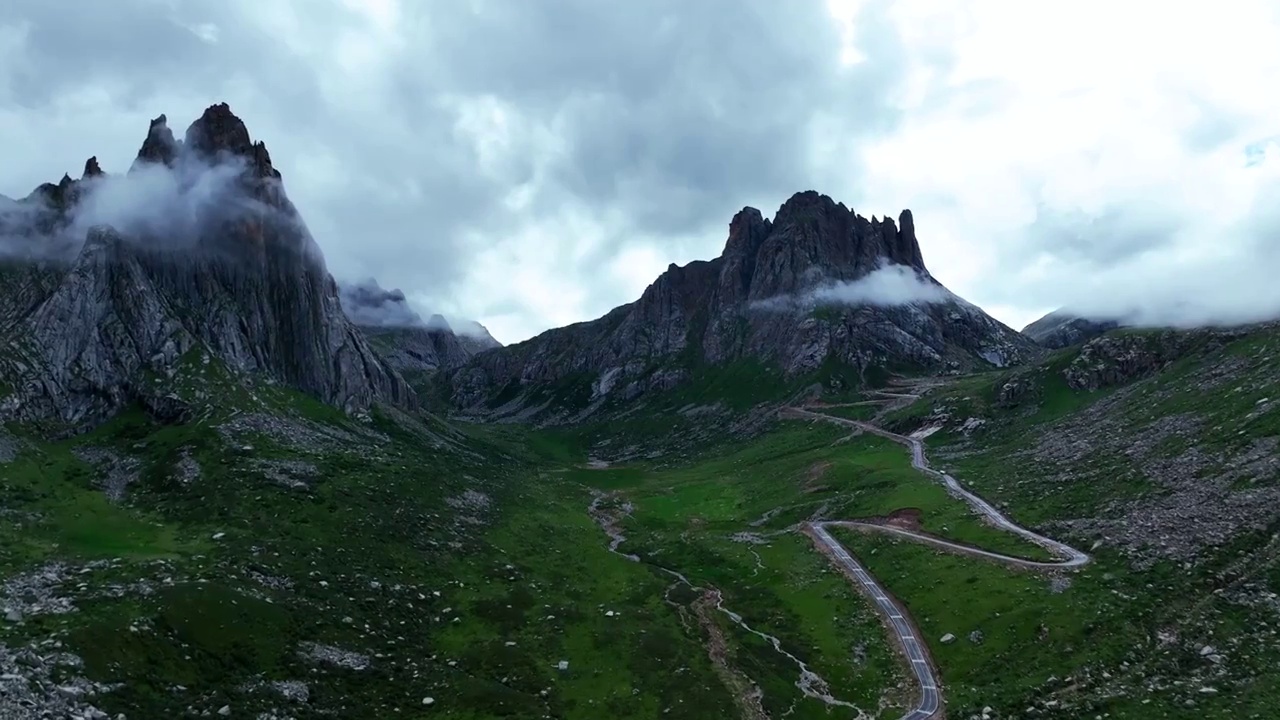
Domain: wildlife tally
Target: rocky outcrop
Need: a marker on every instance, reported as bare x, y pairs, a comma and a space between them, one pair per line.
1113, 360
773, 296
1060, 329
241, 281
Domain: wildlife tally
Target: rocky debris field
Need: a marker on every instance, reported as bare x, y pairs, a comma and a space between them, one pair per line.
1167, 462
115, 471
41, 680
297, 434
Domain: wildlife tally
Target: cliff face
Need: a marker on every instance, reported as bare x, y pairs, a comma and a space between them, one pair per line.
816, 283
208, 257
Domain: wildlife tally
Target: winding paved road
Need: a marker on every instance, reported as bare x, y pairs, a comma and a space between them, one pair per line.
896, 618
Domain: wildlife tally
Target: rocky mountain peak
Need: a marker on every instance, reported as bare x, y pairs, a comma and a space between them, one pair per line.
437, 323
1061, 328
219, 132
906, 245
815, 240
91, 168
758, 302
213, 260
747, 230
809, 205
369, 305
403, 339
160, 146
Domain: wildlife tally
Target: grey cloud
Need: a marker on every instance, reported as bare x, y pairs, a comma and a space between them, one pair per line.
369, 305
140, 49
1115, 234
655, 120
1130, 265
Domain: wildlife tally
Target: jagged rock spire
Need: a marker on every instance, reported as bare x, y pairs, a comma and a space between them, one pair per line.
160, 146
91, 168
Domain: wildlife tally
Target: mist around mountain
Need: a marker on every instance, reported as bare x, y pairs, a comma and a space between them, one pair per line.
409, 343
115, 284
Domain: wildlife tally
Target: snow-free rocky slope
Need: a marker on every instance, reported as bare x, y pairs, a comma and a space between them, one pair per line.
221, 268
408, 343
760, 301
1060, 329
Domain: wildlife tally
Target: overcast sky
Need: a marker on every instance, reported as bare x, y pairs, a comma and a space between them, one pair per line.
531, 163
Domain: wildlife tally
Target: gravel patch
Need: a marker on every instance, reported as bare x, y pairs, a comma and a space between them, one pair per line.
115, 471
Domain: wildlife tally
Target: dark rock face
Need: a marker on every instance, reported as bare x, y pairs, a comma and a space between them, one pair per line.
1060, 329
759, 301
1113, 360
403, 338
160, 145
424, 349
243, 283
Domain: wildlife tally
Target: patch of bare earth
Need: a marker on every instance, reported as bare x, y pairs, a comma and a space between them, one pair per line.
905, 518
814, 475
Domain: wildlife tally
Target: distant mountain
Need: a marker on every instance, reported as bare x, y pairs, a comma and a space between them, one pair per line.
817, 285
403, 338
1060, 329
112, 285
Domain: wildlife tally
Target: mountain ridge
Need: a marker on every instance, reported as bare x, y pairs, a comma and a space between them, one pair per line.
719, 311
406, 341
1062, 328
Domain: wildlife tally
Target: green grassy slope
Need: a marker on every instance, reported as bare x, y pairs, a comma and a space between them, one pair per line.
1166, 473
272, 543
455, 563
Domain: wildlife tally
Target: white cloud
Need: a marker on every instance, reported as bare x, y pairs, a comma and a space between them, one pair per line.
1116, 153
1092, 154
889, 285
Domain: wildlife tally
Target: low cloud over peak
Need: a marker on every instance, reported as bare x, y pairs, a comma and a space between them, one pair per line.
889, 285
176, 200
370, 305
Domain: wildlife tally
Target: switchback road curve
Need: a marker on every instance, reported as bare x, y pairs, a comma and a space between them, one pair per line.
929, 705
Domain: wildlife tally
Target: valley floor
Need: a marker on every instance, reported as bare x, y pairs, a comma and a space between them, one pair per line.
283, 561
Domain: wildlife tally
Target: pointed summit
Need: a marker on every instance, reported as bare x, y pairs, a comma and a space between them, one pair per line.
437, 323
907, 248
160, 146
91, 168
219, 132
